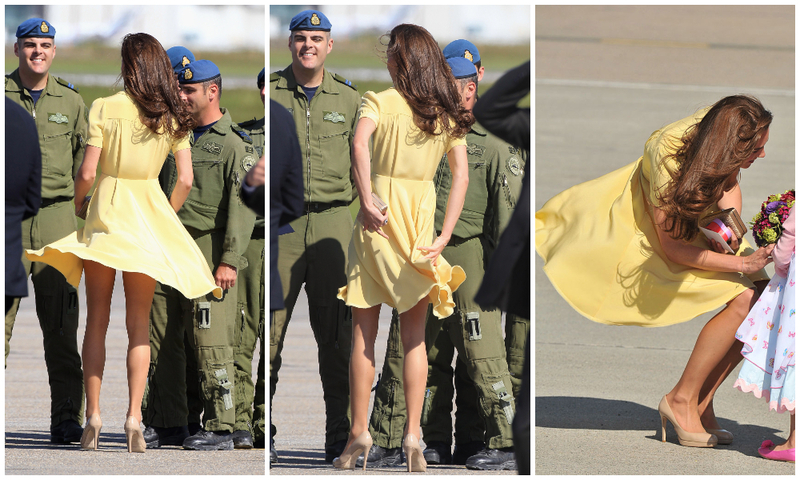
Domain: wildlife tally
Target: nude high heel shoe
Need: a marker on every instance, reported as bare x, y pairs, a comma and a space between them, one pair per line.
347, 460
414, 458
91, 432
684, 438
133, 434
724, 437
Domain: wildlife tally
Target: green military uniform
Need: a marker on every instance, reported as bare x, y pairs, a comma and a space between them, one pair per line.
495, 178
221, 224
250, 317
517, 332
315, 253
61, 122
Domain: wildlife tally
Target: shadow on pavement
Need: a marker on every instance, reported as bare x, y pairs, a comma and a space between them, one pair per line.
40, 440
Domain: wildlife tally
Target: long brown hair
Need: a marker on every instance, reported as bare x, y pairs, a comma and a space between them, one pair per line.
150, 82
425, 81
709, 159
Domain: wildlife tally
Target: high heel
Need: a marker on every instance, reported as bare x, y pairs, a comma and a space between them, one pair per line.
684, 438
414, 458
347, 460
91, 432
133, 434
724, 437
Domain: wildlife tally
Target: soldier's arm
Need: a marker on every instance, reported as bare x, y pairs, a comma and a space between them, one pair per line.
241, 219
79, 137
504, 187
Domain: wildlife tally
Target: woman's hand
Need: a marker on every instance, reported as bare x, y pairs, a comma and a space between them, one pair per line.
717, 247
758, 259
372, 219
433, 252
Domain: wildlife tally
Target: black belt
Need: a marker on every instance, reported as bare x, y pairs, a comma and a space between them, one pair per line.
316, 207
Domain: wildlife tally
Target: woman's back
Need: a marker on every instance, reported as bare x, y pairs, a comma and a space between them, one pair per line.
130, 150
400, 149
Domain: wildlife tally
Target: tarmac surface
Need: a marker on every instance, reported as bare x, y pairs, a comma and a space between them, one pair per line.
606, 77
28, 450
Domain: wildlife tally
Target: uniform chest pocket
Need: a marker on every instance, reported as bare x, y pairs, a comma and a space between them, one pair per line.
57, 153
208, 185
335, 151
477, 196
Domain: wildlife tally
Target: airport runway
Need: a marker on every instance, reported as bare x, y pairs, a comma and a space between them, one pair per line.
606, 77
28, 450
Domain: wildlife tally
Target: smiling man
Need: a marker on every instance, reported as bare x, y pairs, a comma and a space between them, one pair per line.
314, 252
61, 121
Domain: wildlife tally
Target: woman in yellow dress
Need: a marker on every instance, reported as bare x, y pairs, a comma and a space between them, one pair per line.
633, 235
393, 257
130, 224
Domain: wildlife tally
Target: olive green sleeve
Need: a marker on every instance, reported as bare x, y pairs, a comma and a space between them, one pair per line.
505, 186
79, 136
241, 219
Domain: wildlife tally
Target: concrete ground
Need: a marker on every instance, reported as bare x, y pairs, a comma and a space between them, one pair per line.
28, 450
606, 77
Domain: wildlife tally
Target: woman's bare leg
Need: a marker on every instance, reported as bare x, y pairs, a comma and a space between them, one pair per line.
711, 354
139, 290
99, 287
362, 367
415, 363
720, 373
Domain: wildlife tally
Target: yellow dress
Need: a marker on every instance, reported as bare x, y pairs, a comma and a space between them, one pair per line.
602, 252
130, 225
404, 161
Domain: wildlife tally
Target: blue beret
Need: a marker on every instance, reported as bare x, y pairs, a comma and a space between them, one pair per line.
462, 48
179, 57
260, 80
36, 27
461, 67
310, 20
198, 72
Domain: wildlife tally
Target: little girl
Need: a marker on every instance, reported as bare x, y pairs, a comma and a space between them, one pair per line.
768, 337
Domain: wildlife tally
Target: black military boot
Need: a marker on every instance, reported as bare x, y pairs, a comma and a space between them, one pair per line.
156, 436
463, 451
437, 453
382, 457
66, 432
493, 459
242, 440
334, 450
205, 440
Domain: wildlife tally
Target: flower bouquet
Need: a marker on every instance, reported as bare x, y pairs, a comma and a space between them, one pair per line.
768, 223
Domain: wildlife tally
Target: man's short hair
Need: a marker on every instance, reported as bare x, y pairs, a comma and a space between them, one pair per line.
463, 82
214, 81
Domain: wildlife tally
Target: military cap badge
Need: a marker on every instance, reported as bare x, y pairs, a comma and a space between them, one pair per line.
315, 19
185, 61
467, 55
44, 27
187, 74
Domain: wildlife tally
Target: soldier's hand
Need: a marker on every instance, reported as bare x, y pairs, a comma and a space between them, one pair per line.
255, 177
225, 276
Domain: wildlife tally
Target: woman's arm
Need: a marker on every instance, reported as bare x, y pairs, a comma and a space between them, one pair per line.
371, 217
457, 159
86, 175
183, 162
731, 198
682, 253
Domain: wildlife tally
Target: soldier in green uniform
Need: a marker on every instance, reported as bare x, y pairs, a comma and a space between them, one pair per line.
250, 409
476, 334
221, 225
61, 122
324, 107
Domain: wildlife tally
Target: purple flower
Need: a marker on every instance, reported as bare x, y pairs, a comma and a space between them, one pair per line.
773, 206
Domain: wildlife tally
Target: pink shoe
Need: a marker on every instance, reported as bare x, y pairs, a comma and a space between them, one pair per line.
767, 452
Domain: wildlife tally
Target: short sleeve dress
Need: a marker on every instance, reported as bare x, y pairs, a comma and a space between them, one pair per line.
130, 225
404, 161
602, 253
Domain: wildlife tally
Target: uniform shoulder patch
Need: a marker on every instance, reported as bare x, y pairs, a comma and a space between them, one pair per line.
247, 162
513, 166
347, 82
67, 84
236, 128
